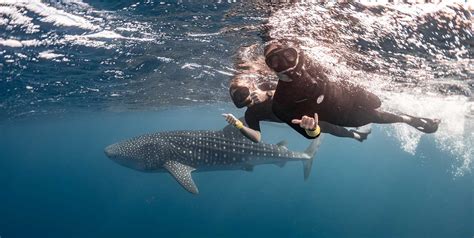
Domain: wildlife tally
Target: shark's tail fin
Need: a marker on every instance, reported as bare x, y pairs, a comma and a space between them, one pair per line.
311, 152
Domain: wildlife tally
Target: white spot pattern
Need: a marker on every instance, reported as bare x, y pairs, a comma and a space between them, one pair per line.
180, 152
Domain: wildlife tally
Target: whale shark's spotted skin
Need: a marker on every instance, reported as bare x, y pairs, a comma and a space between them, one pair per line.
208, 148
181, 152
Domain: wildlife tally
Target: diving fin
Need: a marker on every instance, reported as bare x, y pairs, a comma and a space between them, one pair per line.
311, 152
422, 124
182, 173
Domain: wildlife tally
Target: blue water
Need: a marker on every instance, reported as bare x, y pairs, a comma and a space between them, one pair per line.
57, 182
80, 75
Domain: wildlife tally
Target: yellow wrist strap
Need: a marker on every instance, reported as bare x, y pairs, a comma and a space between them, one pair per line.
239, 125
313, 133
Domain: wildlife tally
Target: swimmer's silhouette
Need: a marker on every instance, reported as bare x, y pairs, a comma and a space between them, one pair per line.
253, 88
304, 89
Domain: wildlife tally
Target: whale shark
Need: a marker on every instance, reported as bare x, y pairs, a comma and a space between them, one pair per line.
182, 152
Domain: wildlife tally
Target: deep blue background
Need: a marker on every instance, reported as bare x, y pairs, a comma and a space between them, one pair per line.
56, 182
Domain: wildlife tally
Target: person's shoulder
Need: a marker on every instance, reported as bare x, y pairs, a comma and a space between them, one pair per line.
252, 118
252, 111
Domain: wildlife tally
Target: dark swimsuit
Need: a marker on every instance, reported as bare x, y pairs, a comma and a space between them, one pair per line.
260, 112
310, 91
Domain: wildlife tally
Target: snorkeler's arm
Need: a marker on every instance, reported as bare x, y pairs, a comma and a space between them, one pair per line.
250, 133
253, 135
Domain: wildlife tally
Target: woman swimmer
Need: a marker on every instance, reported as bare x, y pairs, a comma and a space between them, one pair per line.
245, 91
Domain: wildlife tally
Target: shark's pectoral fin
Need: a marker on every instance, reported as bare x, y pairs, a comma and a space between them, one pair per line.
182, 173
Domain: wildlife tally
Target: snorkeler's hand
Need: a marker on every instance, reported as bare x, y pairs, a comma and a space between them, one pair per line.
231, 119
308, 123
258, 96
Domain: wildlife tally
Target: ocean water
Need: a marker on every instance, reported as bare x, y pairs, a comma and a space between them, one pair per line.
76, 76
57, 182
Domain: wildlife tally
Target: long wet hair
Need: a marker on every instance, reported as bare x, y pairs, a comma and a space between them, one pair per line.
255, 75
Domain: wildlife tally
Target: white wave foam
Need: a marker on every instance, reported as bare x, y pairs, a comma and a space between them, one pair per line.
224, 72
203, 34
164, 59
96, 39
12, 16
104, 35
49, 54
112, 35
11, 43
23, 13
80, 40
47, 14
19, 43
191, 66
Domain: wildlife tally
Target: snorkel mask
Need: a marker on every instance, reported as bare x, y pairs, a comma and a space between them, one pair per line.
240, 96
282, 60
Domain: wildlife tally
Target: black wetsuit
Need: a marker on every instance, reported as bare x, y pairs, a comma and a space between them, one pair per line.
310, 91
260, 112
263, 112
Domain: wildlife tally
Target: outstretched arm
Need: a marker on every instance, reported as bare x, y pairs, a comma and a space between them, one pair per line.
252, 134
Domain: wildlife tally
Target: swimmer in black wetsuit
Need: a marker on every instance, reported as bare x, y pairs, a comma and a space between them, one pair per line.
304, 90
258, 100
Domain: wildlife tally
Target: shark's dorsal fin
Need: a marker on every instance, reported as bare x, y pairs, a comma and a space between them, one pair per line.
182, 173
283, 143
